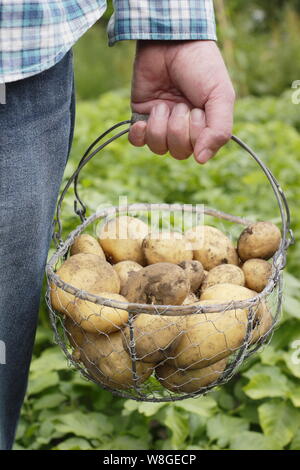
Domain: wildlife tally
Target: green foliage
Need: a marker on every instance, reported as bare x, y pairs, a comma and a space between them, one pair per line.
272, 10
257, 409
279, 420
223, 429
250, 440
262, 385
99, 68
253, 36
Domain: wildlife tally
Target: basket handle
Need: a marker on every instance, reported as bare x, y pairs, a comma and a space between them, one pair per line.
287, 234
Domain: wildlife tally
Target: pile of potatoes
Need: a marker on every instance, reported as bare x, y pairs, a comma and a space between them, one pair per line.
202, 267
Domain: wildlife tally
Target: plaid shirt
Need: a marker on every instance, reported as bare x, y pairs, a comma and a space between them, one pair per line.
36, 34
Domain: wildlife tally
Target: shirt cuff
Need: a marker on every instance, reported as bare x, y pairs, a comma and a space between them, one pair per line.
162, 20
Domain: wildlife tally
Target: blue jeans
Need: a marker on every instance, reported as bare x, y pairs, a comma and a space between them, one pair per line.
36, 129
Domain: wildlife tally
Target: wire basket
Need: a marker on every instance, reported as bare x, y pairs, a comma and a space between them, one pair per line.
160, 353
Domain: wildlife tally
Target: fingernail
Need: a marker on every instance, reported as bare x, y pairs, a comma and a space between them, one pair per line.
161, 110
204, 155
181, 109
196, 116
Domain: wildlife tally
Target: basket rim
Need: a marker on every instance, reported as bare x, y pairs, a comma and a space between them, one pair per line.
175, 310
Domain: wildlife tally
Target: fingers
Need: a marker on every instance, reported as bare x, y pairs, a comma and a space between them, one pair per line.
218, 130
137, 134
168, 130
178, 132
182, 131
197, 124
156, 133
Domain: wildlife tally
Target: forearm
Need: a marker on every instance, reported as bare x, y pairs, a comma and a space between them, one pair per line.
162, 20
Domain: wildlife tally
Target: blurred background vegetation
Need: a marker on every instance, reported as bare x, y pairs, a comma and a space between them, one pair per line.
259, 39
260, 407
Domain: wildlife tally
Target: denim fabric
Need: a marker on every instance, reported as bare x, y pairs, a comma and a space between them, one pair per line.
36, 128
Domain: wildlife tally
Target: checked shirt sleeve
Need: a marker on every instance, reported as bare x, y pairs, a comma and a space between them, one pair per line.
162, 20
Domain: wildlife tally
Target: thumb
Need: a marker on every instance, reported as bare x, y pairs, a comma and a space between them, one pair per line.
219, 122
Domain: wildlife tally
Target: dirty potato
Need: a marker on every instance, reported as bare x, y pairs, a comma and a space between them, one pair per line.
85, 243
116, 365
155, 336
209, 337
224, 273
195, 273
259, 240
211, 246
190, 299
97, 318
257, 273
188, 380
159, 284
121, 239
87, 272
124, 269
166, 247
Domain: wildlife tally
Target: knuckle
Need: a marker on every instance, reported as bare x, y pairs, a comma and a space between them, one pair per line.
228, 92
231, 94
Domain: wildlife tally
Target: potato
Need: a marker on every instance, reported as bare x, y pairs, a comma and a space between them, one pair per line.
259, 240
76, 335
121, 239
231, 292
155, 336
76, 355
123, 269
211, 247
226, 292
87, 346
195, 273
257, 273
105, 358
189, 380
262, 323
228, 273
87, 272
190, 299
116, 365
160, 284
166, 247
97, 318
208, 338
85, 243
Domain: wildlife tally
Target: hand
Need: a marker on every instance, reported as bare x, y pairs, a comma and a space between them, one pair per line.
186, 89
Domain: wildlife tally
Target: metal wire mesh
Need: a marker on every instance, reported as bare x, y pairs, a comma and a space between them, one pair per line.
151, 352
158, 352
